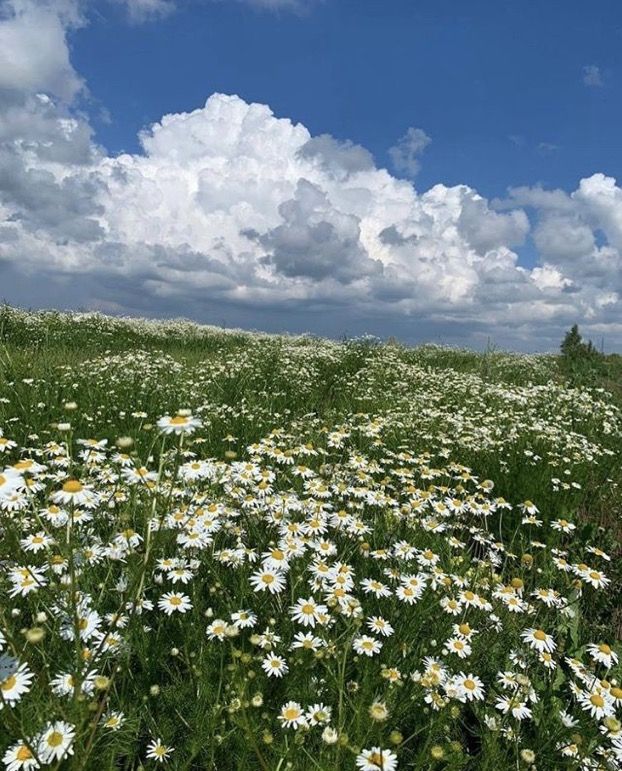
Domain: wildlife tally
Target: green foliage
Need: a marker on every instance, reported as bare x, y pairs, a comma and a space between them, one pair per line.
503, 467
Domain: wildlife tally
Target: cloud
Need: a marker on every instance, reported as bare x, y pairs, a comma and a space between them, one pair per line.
146, 10
546, 148
297, 6
34, 55
230, 211
405, 153
317, 241
335, 157
592, 76
140, 11
230, 207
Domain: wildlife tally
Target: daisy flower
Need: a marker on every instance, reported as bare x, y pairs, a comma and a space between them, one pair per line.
112, 721
158, 751
539, 640
377, 588
378, 711
603, 654
15, 680
407, 594
563, 525
376, 759
141, 475
10, 481
598, 703
19, 756
318, 714
274, 666
75, 493
380, 626
599, 552
307, 612
272, 580
179, 424
217, 630
275, 559
451, 605
6, 444
306, 640
366, 645
174, 601
518, 708
595, 578
56, 742
459, 646
470, 687
244, 619
292, 715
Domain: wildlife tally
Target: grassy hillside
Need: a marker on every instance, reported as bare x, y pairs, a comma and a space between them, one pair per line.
284, 552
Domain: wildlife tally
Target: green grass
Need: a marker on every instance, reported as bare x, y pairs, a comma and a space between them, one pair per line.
419, 446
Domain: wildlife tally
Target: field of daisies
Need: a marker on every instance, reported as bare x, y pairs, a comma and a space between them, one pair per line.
233, 551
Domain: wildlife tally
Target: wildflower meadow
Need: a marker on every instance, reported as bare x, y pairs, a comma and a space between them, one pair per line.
224, 550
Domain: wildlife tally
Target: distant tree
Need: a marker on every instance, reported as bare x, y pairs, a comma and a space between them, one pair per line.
572, 345
574, 348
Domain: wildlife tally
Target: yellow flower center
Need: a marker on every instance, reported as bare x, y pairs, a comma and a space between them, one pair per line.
72, 486
291, 713
469, 595
23, 753
179, 420
307, 608
55, 739
597, 700
604, 649
9, 683
175, 600
540, 635
470, 684
464, 629
267, 579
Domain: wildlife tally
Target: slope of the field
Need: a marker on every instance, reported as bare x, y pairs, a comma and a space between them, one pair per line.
225, 550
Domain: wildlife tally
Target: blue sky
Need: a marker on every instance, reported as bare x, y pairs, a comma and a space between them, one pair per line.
497, 85
434, 170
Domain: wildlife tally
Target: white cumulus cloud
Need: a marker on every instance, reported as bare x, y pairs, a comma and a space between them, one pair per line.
406, 152
34, 55
231, 210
